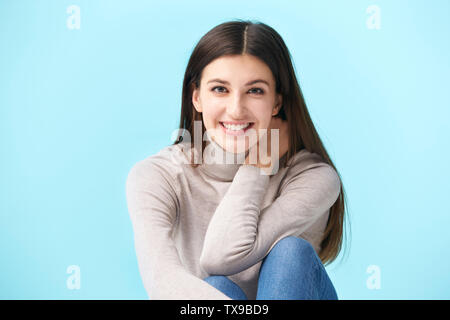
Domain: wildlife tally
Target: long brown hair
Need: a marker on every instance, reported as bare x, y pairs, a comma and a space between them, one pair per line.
241, 37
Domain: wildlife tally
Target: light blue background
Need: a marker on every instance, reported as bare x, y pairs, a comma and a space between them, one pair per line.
79, 107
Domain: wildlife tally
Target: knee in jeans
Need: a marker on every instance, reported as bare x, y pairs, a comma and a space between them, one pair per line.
294, 244
216, 279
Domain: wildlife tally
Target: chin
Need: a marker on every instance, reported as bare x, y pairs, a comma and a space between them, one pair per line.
234, 146
233, 143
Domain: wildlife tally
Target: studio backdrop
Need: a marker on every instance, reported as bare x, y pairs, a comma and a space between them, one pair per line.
90, 87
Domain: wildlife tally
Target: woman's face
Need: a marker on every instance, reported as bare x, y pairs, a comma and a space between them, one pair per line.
239, 90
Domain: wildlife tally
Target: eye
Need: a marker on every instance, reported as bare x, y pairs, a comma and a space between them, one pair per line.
214, 89
259, 92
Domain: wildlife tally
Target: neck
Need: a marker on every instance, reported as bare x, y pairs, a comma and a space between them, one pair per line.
220, 163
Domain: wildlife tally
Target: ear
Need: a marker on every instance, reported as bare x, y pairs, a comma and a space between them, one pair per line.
196, 100
278, 104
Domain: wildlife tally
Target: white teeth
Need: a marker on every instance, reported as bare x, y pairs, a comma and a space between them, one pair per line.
236, 127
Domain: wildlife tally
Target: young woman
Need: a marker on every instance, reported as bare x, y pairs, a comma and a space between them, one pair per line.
261, 226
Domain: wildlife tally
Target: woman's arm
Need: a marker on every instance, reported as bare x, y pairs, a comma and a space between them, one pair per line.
152, 206
240, 234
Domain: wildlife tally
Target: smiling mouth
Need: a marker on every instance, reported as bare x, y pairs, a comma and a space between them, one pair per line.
236, 129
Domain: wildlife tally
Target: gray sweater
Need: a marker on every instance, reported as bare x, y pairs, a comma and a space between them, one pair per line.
219, 218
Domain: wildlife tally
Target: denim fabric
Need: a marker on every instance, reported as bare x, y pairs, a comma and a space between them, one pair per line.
226, 286
291, 271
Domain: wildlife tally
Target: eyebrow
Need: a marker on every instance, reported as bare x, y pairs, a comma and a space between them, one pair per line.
247, 84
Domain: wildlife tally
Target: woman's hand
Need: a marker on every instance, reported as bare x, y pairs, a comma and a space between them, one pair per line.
266, 160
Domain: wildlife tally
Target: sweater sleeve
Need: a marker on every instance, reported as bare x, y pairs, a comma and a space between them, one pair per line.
152, 205
240, 234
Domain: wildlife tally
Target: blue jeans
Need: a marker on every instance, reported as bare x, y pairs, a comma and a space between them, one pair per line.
291, 271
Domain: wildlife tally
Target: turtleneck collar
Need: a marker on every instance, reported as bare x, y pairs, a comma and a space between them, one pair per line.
223, 165
220, 163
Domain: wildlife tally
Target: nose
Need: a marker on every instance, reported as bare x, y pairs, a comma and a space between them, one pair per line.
236, 108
